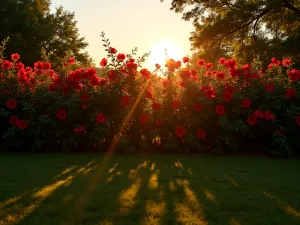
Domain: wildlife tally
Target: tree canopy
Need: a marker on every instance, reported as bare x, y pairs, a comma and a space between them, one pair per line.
31, 27
244, 28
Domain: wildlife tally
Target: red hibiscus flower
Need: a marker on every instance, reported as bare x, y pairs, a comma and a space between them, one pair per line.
103, 62
252, 120
222, 61
227, 96
185, 59
197, 106
15, 57
13, 120
294, 75
209, 92
268, 115
72, 60
11, 103
220, 110
229, 88
290, 93
144, 118
131, 66
39, 65
269, 87
76, 129
258, 114
172, 65
79, 129
201, 62
286, 62
185, 74
201, 134
180, 131
220, 75
20, 66
113, 50
47, 65
209, 65
120, 57
125, 101
156, 106
100, 118
246, 68
95, 81
61, 114
7, 64
145, 73
231, 63
21, 124
246, 103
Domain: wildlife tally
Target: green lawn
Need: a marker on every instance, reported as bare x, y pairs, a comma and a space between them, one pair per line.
96, 190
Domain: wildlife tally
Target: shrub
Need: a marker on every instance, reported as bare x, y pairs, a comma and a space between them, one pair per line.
215, 109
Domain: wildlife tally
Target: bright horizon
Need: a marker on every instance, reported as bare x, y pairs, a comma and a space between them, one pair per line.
147, 25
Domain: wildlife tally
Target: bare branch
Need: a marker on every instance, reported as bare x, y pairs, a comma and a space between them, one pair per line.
257, 17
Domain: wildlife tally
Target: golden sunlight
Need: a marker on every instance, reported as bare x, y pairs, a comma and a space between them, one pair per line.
158, 53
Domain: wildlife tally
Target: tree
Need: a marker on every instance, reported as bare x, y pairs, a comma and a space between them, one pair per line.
244, 28
64, 38
31, 28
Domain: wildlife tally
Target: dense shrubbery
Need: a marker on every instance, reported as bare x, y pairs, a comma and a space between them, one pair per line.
214, 109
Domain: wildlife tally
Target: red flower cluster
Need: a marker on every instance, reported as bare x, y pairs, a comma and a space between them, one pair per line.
21, 124
100, 118
79, 129
11, 103
172, 65
201, 134
180, 131
61, 114
145, 73
125, 101
220, 110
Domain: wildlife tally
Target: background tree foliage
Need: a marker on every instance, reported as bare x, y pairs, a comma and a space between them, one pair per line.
32, 27
244, 29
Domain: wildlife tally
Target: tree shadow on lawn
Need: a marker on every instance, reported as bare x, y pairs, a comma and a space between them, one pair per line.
239, 203
152, 192
25, 173
53, 202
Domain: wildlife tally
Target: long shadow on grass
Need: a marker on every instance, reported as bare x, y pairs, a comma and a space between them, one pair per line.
16, 209
230, 201
21, 174
129, 200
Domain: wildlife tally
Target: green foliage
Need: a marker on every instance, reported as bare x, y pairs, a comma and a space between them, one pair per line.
32, 28
243, 29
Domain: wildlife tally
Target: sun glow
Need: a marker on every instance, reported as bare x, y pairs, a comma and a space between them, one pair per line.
158, 53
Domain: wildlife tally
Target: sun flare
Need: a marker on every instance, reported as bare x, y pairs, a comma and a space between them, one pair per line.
158, 53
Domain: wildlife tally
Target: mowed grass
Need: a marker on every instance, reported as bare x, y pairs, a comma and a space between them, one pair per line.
100, 190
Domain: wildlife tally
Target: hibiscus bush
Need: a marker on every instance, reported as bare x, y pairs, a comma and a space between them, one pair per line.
212, 109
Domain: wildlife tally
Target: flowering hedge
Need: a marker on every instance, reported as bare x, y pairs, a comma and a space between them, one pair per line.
212, 109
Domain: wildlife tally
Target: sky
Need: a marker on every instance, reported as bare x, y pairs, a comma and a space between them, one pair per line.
149, 25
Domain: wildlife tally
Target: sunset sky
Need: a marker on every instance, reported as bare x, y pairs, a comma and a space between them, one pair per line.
146, 24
